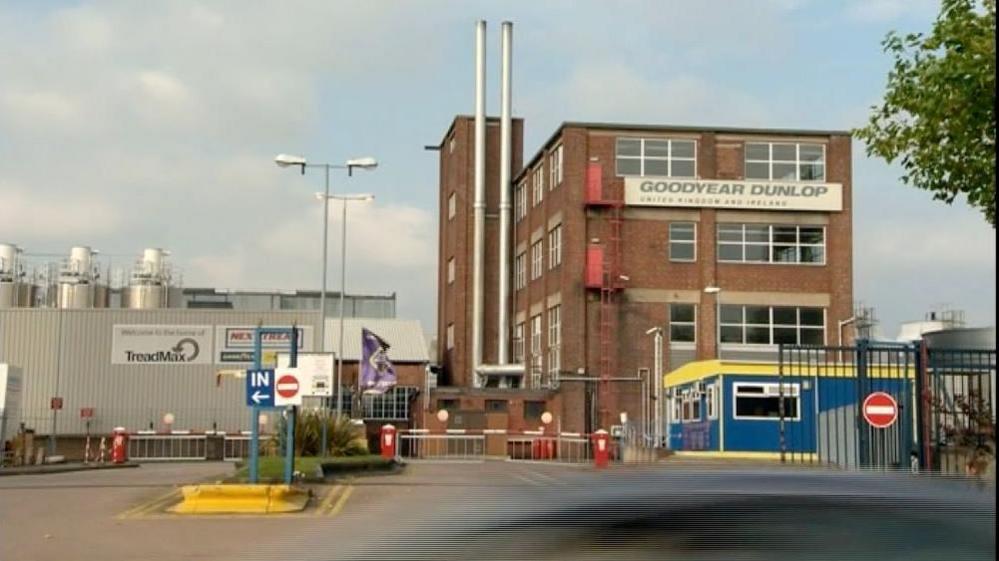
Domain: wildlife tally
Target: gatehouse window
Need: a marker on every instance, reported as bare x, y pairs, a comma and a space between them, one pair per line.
756, 401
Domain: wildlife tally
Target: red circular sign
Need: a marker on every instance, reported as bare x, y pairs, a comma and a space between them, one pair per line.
880, 410
287, 386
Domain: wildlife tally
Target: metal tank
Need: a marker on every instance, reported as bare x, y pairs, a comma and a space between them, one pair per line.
149, 284
77, 279
10, 275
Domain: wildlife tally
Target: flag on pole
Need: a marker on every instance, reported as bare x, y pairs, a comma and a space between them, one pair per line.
377, 372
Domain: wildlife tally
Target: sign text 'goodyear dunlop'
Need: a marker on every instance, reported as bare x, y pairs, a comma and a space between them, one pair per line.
759, 195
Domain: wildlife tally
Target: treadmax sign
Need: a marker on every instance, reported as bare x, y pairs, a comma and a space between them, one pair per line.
161, 344
760, 195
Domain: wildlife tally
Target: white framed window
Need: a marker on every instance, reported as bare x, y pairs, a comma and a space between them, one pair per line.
536, 357
520, 201
711, 399
691, 406
450, 270
450, 336
683, 241
664, 157
555, 167
538, 186
450, 145
554, 340
520, 271
555, 247
677, 415
770, 243
682, 323
518, 342
451, 206
752, 401
785, 161
766, 325
537, 259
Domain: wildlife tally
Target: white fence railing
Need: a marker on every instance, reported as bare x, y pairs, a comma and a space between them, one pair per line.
163, 447
442, 447
570, 448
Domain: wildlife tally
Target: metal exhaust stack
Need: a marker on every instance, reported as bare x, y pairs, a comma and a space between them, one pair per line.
479, 202
506, 149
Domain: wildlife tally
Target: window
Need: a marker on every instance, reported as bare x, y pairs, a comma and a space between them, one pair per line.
536, 348
773, 161
691, 406
450, 145
554, 340
450, 336
518, 343
712, 400
447, 404
538, 186
764, 243
520, 201
762, 325
656, 157
533, 410
682, 241
677, 415
450, 270
520, 270
451, 208
682, 323
496, 406
762, 401
555, 167
537, 260
555, 247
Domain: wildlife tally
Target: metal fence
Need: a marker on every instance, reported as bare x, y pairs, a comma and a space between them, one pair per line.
571, 448
442, 447
944, 402
163, 447
393, 405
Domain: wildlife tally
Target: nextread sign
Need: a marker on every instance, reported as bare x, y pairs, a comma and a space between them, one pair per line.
161, 344
287, 387
758, 195
880, 410
234, 343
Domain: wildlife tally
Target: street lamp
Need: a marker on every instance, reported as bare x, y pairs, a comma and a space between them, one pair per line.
365, 163
716, 290
344, 199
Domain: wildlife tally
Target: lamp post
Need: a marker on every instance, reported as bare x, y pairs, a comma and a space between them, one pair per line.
344, 199
367, 163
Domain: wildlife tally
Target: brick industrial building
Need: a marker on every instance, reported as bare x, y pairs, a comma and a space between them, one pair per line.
616, 229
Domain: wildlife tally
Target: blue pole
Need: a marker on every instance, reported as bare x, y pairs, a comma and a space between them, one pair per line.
255, 413
289, 447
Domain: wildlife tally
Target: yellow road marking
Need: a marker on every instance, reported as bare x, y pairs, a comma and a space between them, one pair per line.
150, 506
341, 501
328, 499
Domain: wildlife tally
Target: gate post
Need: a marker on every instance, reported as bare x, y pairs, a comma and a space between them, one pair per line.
863, 435
923, 433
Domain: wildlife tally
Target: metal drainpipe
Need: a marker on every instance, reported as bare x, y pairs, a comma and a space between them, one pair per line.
479, 201
506, 150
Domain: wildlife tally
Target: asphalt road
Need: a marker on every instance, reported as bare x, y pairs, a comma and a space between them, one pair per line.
507, 510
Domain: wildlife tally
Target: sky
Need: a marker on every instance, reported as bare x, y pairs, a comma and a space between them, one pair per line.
126, 125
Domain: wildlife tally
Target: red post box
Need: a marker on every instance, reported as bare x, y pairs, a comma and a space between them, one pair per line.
119, 445
388, 442
601, 448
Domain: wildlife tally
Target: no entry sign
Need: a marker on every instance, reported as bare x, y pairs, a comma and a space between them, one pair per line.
287, 389
880, 410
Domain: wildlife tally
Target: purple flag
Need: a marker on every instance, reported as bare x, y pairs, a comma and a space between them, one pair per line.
377, 372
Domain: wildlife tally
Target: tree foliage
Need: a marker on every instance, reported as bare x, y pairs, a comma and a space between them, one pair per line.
938, 114
343, 438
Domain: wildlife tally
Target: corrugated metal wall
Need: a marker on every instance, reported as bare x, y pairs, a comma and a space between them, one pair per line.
67, 353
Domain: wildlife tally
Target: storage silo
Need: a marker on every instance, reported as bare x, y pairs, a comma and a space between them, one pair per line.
149, 283
77, 279
10, 275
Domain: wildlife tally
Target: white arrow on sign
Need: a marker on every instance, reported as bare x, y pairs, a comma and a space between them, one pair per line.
257, 397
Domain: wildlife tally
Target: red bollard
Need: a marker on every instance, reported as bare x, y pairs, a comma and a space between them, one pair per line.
388, 442
119, 445
601, 448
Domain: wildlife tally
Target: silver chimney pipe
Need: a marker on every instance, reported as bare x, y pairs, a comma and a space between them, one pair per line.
506, 149
479, 202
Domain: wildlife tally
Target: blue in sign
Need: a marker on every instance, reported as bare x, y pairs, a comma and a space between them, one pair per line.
260, 388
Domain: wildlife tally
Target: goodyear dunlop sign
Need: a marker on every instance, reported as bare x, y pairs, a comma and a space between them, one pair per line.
161, 344
759, 195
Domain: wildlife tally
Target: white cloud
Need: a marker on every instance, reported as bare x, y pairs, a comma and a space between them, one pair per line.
26, 214
881, 11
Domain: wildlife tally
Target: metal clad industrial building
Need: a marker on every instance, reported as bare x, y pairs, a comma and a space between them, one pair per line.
67, 353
